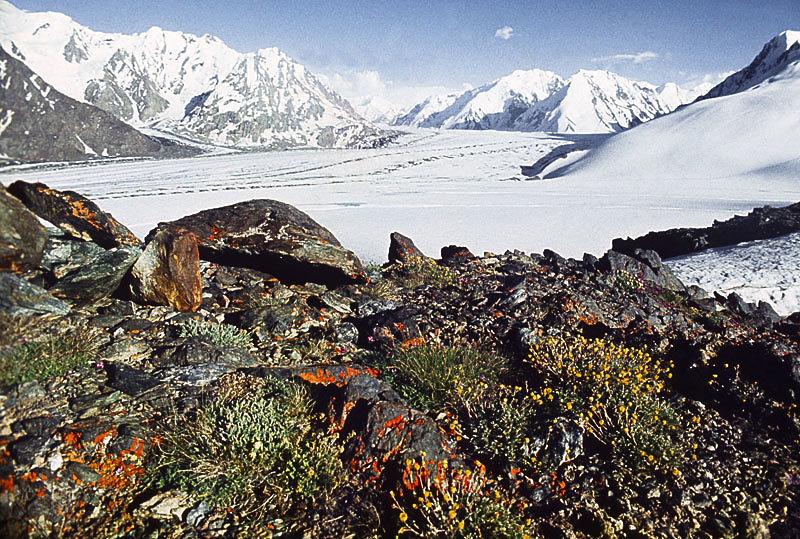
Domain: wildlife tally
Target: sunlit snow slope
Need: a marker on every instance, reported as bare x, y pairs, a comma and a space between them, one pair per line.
536, 100
749, 133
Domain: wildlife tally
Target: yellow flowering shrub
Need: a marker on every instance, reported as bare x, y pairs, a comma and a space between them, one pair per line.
616, 392
436, 501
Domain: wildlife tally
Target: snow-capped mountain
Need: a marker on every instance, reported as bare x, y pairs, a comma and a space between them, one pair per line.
594, 102
38, 123
493, 106
536, 100
674, 96
196, 86
745, 134
778, 53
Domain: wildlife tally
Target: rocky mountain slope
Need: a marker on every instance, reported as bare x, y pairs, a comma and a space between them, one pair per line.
39, 123
195, 86
776, 55
536, 100
512, 395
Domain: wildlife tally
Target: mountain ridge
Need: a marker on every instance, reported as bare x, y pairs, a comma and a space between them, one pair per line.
192, 85
38, 123
537, 100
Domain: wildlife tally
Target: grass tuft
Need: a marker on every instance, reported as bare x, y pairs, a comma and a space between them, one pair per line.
45, 359
434, 376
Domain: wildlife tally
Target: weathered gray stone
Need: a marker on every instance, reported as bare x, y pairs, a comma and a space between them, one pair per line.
272, 237
74, 214
99, 278
22, 237
18, 297
402, 249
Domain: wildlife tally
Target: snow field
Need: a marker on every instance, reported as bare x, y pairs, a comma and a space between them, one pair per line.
437, 187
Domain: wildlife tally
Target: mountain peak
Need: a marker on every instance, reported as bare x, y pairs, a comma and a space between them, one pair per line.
774, 57
179, 82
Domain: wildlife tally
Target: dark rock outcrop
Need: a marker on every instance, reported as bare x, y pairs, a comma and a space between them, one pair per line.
456, 252
402, 249
42, 124
761, 223
644, 264
168, 271
74, 214
273, 237
18, 297
99, 278
22, 237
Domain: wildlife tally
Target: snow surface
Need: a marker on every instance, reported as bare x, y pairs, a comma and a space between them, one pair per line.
438, 187
257, 99
752, 133
764, 270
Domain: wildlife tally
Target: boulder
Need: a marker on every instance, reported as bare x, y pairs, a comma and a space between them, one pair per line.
402, 249
168, 272
22, 237
18, 297
645, 265
272, 237
762, 223
456, 252
74, 214
98, 278
64, 255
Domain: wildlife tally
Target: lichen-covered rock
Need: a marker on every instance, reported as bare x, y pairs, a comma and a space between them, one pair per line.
64, 255
99, 278
273, 237
402, 248
168, 271
74, 214
19, 297
645, 265
22, 237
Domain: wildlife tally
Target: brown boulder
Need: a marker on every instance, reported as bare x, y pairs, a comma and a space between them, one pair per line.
22, 237
74, 214
273, 237
168, 271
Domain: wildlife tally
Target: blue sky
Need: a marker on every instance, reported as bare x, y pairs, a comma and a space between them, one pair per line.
447, 44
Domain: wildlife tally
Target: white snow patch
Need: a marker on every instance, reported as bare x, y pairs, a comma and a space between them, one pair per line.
6, 121
86, 148
747, 133
764, 270
438, 187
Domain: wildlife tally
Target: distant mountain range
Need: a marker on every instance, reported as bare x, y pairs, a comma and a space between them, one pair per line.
746, 126
201, 90
193, 86
536, 100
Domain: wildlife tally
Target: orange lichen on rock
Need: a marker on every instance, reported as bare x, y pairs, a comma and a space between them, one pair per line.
7, 484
